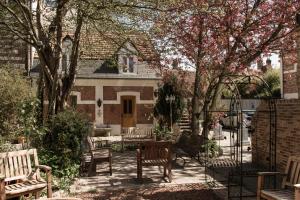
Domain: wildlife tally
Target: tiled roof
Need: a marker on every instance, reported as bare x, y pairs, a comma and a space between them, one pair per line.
99, 46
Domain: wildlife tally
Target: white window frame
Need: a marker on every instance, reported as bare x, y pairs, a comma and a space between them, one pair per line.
127, 64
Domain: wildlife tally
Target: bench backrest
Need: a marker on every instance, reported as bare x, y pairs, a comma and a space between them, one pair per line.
17, 165
153, 150
292, 172
134, 132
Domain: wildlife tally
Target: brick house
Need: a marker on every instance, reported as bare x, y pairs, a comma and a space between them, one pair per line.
115, 82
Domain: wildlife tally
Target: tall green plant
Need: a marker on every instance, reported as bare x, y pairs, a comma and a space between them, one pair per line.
15, 90
162, 108
62, 148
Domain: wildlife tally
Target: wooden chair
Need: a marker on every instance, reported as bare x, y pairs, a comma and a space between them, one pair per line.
20, 174
290, 187
154, 154
98, 155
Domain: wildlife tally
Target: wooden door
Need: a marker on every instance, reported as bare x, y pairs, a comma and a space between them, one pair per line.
128, 111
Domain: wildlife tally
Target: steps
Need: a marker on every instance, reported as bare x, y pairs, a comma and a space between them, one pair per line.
185, 123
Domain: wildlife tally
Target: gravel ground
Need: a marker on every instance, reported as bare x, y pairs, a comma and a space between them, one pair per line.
177, 192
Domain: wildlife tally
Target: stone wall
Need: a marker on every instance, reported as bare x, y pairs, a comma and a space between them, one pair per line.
288, 133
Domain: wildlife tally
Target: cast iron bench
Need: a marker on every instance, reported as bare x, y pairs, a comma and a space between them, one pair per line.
20, 174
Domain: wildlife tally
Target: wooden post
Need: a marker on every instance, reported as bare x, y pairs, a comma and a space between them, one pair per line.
297, 192
2, 188
49, 184
260, 185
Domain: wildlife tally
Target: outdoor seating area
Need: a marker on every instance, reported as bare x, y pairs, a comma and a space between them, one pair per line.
149, 100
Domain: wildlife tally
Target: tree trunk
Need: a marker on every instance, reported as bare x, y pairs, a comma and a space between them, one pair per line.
196, 103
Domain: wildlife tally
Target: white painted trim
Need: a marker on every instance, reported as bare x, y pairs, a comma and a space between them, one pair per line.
292, 70
128, 93
79, 101
291, 96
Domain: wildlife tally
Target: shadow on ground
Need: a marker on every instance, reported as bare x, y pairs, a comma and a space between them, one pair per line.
178, 192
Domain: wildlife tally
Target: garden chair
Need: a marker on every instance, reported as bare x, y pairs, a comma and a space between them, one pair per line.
153, 153
98, 155
290, 187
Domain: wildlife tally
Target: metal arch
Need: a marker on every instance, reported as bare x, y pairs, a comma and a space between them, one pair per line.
232, 82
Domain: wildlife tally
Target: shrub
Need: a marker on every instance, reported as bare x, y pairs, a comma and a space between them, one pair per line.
14, 90
62, 147
171, 86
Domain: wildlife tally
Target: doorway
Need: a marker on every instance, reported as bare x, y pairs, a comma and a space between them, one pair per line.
128, 115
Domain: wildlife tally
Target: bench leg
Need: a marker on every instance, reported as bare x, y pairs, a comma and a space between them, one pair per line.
260, 186
2, 190
170, 172
139, 173
110, 165
37, 195
165, 171
92, 169
297, 192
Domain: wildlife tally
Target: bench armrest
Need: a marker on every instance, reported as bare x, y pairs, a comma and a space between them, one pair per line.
2, 178
269, 173
44, 168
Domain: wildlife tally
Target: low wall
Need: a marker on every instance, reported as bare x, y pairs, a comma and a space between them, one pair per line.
288, 132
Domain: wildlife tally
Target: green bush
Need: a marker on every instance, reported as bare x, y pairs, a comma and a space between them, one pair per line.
14, 89
171, 86
62, 147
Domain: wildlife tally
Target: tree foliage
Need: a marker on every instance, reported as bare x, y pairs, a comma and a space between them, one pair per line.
44, 27
162, 109
221, 38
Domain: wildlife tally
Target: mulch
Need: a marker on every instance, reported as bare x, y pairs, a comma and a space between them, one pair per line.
177, 192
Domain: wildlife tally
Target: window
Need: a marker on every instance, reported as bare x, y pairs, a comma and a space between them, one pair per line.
128, 64
127, 106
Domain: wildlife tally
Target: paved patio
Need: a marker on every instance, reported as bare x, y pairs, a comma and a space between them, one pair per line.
124, 174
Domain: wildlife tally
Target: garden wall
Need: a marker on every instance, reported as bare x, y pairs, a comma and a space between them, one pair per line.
288, 133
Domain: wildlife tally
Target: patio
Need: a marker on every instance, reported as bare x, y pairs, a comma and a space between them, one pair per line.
123, 182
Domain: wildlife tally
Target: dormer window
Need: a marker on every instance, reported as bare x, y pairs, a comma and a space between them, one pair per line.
128, 64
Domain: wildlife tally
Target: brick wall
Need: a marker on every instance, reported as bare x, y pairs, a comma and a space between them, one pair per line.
110, 92
88, 110
143, 113
290, 83
12, 50
112, 114
288, 132
87, 92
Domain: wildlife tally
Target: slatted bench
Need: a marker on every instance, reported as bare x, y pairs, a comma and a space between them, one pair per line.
134, 135
290, 187
154, 154
20, 175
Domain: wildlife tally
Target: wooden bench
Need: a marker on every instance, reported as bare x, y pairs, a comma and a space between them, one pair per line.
98, 155
154, 154
20, 174
290, 187
134, 135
